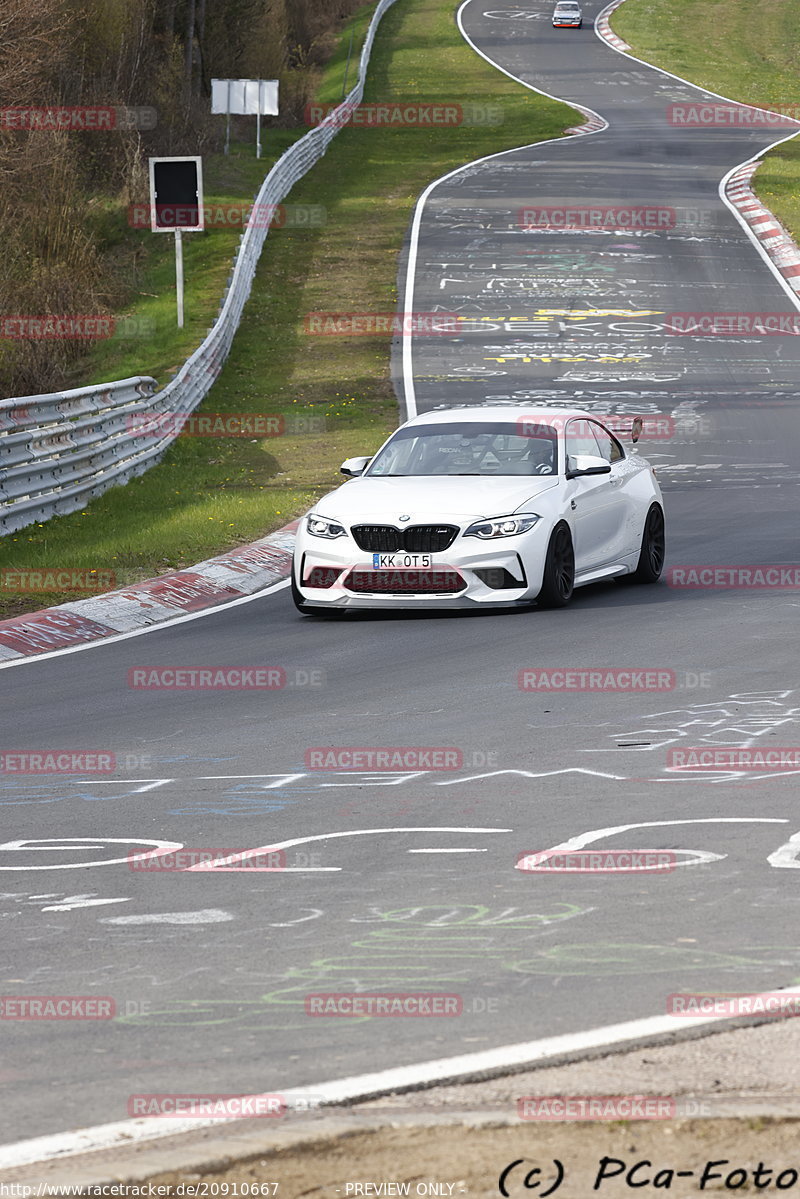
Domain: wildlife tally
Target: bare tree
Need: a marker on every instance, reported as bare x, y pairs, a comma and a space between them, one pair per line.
188, 46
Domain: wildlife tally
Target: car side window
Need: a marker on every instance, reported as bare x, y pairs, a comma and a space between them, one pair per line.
580, 438
610, 448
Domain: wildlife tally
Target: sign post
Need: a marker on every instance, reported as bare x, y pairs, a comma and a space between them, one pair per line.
176, 206
179, 274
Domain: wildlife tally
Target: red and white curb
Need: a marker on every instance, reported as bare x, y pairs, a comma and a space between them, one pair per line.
233, 575
593, 123
763, 225
606, 32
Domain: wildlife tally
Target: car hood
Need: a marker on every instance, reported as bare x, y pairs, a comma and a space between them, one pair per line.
468, 497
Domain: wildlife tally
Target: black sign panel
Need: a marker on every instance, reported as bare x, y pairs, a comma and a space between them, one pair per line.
176, 193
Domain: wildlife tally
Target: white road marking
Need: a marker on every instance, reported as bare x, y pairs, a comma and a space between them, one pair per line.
148, 784
70, 902
283, 779
204, 916
698, 856
489, 1062
532, 774
315, 914
785, 857
275, 870
35, 844
447, 851
357, 832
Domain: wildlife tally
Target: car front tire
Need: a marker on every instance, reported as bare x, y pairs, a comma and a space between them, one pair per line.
558, 581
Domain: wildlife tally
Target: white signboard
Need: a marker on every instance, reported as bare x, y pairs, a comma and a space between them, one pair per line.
245, 97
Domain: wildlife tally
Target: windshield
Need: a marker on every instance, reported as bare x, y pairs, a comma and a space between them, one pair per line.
468, 448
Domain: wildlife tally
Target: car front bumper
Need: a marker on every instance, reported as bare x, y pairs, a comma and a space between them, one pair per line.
517, 567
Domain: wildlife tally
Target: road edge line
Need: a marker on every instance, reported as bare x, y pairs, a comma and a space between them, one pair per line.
476, 1066
595, 124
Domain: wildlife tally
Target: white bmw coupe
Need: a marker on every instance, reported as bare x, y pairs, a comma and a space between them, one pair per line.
484, 506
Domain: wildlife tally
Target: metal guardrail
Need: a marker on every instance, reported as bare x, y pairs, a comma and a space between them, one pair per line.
59, 451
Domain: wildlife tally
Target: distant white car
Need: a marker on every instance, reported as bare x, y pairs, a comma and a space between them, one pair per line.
567, 14
489, 506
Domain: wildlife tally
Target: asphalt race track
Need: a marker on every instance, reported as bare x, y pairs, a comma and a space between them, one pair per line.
209, 970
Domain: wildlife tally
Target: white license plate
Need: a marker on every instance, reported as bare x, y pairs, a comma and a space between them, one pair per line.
401, 561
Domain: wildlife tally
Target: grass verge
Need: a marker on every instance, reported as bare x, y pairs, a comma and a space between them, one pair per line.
152, 343
209, 495
746, 50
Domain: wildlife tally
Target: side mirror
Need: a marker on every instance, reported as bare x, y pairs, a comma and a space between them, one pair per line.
353, 467
636, 429
586, 464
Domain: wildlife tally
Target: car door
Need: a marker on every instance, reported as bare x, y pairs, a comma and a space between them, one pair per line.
627, 536
597, 504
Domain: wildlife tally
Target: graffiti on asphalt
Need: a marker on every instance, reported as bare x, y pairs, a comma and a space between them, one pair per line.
428, 947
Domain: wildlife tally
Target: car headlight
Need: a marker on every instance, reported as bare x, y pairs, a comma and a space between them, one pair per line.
502, 526
321, 526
